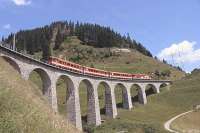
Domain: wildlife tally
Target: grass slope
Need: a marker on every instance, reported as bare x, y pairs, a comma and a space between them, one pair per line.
160, 108
133, 62
142, 119
148, 118
187, 123
23, 108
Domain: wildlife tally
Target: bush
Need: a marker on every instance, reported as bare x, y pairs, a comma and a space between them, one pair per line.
89, 128
166, 73
92, 65
127, 62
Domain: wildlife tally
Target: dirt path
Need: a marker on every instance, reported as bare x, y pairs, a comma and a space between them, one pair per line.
168, 123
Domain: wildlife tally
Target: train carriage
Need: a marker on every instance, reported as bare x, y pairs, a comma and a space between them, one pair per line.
93, 71
65, 64
96, 72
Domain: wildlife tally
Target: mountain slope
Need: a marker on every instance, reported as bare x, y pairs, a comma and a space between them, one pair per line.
23, 108
51, 36
92, 45
161, 107
111, 59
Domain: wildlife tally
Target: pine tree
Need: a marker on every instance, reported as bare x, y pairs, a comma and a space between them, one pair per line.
46, 49
90, 34
59, 40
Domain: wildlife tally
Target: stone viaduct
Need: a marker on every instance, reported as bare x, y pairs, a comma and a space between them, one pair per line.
50, 74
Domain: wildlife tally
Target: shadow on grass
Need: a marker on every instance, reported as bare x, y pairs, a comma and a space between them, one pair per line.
134, 99
120, 105
84, 119
103, 111
149, 92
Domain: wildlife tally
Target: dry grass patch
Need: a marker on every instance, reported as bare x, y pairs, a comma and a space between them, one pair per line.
23, 108
187, 123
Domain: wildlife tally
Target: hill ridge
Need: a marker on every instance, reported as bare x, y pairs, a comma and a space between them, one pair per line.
51, 37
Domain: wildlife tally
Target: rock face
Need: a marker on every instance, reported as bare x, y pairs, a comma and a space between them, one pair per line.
119, 50
50, 74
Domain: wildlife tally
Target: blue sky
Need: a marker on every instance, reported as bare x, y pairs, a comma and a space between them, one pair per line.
161, 26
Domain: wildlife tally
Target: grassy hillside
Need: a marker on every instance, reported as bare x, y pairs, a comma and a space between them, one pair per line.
51, 36
160, 108
103, 58
23, 108
187, 123
18, 99
133, 62
150, 118
141, 119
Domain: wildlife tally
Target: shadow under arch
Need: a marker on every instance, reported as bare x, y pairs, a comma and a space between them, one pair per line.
105, 99
86, 89
12, 63
41, 78
121, 96
150, 89
64, 90
163, 86
134, 90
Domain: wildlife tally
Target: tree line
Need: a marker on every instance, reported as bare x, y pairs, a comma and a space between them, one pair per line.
50, 37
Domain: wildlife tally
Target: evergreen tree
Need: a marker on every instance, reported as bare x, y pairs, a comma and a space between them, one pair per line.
90, 34
59, 40
46, 49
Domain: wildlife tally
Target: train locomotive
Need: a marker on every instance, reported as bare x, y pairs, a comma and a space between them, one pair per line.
70, 66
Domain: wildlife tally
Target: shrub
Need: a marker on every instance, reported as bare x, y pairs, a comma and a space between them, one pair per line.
89, 128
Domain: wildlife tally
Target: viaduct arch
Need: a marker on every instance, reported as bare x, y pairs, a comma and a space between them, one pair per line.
50, 75
12, 63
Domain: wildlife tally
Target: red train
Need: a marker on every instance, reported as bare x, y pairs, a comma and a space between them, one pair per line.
93, 71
